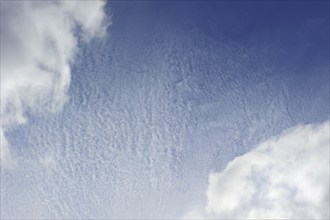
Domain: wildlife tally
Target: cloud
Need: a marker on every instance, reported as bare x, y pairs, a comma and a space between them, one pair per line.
38, 44
4, 151
282, 178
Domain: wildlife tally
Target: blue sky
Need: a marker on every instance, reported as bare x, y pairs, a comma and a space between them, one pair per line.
167, 109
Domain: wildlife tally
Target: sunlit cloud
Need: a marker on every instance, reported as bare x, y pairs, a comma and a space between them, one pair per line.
38, 44
282, 178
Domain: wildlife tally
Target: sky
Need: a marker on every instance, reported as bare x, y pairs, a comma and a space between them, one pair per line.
165, 109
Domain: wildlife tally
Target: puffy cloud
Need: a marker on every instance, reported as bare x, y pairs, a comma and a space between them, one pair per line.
282, 178
38, 44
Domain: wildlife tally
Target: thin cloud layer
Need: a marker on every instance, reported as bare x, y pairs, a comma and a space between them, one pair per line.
282, 178
38, 44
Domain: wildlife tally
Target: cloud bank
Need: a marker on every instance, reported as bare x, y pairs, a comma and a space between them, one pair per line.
282, 178
38, 44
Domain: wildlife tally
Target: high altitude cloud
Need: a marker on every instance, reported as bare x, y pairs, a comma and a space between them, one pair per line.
283, 178
38, 43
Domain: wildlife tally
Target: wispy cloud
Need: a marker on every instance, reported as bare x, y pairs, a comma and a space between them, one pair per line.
38, 44
282, 178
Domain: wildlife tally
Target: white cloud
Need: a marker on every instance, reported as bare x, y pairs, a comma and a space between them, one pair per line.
282, 178
4, 151
38, 43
